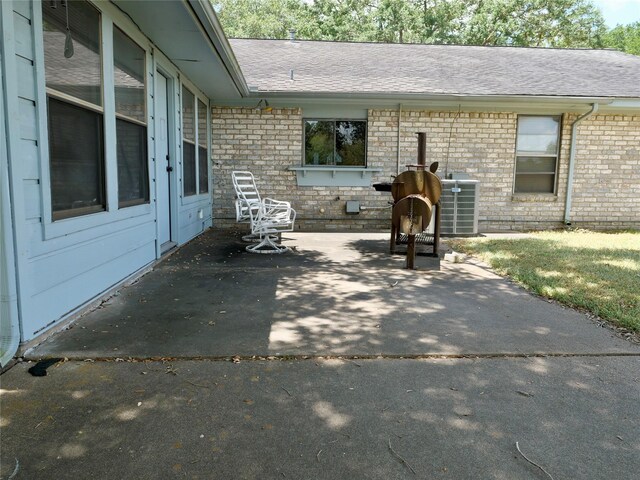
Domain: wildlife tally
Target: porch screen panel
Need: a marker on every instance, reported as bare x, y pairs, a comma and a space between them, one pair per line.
129, 76
203, 157
73, 76
188, 143
76, 72
77, 160
133, 173
131, 125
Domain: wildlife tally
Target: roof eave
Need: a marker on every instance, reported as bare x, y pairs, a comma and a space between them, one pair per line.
421, 97
204, 12
468, 102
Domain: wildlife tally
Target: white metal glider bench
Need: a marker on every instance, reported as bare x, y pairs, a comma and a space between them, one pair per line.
268, 217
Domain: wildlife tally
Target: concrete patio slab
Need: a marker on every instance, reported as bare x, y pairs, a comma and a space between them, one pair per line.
562, 387
324, 419
335, 294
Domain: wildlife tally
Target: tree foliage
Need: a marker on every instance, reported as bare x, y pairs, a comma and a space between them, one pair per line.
624, 38
265, 19
541, 23
536, 23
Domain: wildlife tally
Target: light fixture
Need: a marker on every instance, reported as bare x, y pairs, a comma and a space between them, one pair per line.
68, 42
263, 106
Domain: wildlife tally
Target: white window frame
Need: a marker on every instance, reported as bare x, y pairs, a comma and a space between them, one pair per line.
555, 155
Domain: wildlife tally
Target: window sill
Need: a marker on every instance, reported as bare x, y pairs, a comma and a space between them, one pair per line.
534, 197
74, 225
197, 198
329, 176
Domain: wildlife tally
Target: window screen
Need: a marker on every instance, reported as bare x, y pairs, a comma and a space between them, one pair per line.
79, 75
131, 128
133, 176
188, 143
128, 77
73, 76
189, 168
537, 154
76, 155
203, 161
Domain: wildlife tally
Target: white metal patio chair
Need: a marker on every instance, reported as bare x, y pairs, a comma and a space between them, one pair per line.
268, 221
246, 194
268, 217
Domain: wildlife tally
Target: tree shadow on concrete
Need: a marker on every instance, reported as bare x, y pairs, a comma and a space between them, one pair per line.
332, 296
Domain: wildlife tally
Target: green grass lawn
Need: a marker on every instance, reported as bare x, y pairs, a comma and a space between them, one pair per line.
596, 271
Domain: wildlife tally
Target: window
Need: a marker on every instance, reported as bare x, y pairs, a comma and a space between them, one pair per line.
188, 143
203, 161
335, 143
195, 144
75, 112
537, 154
131, 125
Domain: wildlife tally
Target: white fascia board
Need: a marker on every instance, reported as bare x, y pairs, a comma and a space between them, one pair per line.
511, 103
622, 105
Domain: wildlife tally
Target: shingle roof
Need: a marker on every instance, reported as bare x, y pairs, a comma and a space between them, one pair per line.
380, 68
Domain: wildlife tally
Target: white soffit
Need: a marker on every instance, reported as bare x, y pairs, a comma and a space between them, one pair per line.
186, 39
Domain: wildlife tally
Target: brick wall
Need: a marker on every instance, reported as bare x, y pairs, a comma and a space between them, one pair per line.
267, 144
480, 144
607, 173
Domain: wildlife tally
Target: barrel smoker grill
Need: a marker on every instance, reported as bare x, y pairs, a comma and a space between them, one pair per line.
416, 194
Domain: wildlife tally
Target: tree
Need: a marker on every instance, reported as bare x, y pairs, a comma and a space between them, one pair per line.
442, 20
624, 38
265, 19
343, 20
548, 23
396, 21
534, 23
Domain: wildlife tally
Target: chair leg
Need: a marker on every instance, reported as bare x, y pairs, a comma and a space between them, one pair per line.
256, 237
251, 238
267, 245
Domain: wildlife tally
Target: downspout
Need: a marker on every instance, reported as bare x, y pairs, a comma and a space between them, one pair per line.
398, 140
572, 161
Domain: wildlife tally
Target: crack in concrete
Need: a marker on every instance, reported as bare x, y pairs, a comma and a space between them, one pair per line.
351, 358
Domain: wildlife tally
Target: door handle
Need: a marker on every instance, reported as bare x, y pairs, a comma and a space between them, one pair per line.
169, 169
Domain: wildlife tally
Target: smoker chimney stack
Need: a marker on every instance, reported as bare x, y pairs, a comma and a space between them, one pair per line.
292, 35
422, 150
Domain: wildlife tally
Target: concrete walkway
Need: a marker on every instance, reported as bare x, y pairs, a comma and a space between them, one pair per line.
534, 373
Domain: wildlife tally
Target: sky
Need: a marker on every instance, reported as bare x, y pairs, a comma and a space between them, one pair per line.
619, 11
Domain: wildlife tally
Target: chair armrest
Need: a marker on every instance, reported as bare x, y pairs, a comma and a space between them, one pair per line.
271, 201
